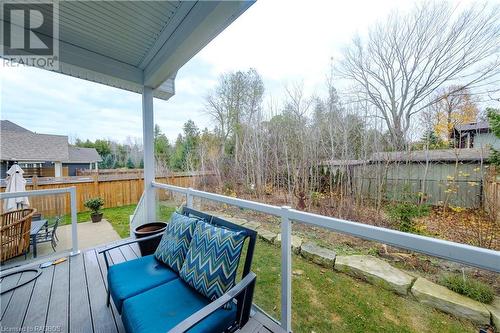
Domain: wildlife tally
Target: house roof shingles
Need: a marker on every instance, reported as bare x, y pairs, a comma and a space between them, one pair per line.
481, 125
83, 155
7, 125
438, 155
20, 144
28, 146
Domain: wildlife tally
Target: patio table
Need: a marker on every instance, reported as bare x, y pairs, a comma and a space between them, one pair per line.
36, 226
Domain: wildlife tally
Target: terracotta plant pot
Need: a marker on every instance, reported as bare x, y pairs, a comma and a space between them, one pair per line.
149, 246
96, 217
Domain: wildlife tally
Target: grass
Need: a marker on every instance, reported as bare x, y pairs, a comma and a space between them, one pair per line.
327, 301
468, 287
119, 217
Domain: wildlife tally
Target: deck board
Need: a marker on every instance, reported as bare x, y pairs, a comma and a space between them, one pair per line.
14, 314
36, 314
71, 297
104, 272
57, 315
102, 316
79, 306
7, 283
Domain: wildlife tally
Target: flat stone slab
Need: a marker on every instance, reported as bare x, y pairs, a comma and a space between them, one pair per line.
252, 225
296, 243
375, 271
235, 220
443, 299
267, 235
494, 309
318, 254
218, 214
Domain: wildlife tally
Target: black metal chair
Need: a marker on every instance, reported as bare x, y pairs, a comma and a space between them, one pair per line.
49, 234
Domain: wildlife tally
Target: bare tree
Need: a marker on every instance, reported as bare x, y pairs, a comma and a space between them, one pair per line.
407, 57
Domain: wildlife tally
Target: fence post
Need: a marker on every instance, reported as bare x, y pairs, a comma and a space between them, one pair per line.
34, 182
74, 224
189, 198
286, 270
95, 177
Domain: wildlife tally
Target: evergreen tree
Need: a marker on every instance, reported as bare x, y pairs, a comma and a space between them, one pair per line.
130, 164
494, 119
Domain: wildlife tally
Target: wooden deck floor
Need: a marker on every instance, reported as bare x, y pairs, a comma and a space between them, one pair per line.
71, 297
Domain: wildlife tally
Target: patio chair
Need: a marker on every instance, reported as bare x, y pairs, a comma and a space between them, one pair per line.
152, 297
15, 229
49, 234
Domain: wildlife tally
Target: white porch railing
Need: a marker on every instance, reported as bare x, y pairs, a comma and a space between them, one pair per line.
461, 253
139, 216
72, 195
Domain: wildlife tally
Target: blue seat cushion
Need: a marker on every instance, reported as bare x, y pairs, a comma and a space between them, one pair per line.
175, 241
173, 302
133, 277
212, 260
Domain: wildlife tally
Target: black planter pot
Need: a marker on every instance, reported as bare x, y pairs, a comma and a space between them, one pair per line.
96, 217
149, 247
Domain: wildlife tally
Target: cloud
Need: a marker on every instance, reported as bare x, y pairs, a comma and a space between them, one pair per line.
286, 41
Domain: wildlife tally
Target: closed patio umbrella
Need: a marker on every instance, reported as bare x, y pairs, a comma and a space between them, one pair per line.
15, 183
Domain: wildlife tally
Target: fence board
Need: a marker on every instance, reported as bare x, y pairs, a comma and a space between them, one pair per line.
492, 193
115, 191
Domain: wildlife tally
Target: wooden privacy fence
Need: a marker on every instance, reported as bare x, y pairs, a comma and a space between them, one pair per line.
116, 190
492, 193
439, 183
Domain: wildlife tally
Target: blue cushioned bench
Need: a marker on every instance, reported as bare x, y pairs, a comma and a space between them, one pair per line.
152, 298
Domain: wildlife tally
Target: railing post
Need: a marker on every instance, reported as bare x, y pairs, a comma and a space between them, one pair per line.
189, 198
286, 270
74, 221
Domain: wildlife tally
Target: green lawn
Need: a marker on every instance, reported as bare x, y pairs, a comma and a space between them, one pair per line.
323, 300
326, 301
119, 217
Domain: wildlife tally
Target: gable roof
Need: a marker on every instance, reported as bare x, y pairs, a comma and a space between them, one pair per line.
438, 155
83, 155
29, 146
19, 144
7, 125
480, 125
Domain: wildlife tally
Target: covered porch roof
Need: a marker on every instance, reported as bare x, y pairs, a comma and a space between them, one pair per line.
135, 44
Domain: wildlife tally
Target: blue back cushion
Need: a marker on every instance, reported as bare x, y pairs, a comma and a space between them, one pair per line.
212, 260
176, 240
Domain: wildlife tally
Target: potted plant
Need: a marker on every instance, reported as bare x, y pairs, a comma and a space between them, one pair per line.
95, 204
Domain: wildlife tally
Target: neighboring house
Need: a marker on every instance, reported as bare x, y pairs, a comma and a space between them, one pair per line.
42, 154
475, 135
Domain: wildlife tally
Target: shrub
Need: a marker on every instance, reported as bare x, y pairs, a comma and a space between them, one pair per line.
94, 204
466, 286
403, 215
316, 198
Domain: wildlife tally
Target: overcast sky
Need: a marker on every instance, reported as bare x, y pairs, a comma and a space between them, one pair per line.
286, 41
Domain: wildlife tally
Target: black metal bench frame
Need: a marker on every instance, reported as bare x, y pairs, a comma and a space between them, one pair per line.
242, 292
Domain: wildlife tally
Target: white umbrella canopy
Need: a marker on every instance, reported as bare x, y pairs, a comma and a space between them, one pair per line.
15, 183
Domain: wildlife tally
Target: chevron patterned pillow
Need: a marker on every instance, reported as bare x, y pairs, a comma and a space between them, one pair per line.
212, 260
175, 241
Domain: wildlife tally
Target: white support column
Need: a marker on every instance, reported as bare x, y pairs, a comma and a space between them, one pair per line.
149, 160
286, 270
57, 169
